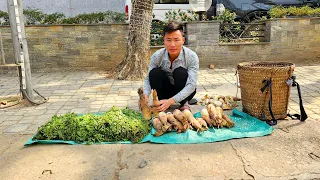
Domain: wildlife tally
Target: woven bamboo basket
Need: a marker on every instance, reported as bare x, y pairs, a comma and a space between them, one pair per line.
255, 102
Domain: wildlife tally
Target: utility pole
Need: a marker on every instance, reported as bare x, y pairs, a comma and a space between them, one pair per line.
2, 52
20, 46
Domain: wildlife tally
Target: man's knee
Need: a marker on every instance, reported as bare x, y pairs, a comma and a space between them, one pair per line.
156, 73
180, 73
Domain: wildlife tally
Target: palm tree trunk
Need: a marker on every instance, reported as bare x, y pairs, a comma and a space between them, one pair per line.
135, 64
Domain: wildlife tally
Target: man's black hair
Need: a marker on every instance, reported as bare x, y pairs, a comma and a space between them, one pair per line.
171, 27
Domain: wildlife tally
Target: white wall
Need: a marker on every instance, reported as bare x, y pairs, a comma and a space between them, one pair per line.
71, 7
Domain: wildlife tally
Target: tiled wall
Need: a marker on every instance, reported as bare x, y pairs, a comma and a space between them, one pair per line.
102, 47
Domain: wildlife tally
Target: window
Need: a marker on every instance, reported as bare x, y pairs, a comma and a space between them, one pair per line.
171, 1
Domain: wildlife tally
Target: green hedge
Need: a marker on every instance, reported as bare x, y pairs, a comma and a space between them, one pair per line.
36, 17
282, 12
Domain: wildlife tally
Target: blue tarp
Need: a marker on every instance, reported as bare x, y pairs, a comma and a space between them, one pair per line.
245, 126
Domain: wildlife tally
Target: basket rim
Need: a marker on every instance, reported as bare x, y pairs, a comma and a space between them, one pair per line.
265, 65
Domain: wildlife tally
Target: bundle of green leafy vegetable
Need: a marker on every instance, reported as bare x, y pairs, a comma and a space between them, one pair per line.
112, 126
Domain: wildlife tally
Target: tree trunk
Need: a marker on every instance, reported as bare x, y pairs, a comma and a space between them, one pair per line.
135, 64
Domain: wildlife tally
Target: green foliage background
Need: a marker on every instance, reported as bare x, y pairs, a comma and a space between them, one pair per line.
282, 12
36, 17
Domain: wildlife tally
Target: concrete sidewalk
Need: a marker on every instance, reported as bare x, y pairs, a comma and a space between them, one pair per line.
292, 151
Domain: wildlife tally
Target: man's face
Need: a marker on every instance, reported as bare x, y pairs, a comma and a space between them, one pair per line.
173, 42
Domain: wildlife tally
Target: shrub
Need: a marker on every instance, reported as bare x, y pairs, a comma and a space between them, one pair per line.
36, 17
156, 38
54, 18
316, 12
4, 17
278, 12
303, 11
282, 12
33, 16
181, 16
226, 17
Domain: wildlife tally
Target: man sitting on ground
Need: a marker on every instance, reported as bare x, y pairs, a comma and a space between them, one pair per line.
173, 70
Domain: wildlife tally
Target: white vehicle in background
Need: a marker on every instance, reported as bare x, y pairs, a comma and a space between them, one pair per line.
161, 7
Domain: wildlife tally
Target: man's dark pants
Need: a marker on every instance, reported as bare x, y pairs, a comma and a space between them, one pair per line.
160, 82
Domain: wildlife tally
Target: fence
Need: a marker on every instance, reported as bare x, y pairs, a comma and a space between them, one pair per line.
251, 32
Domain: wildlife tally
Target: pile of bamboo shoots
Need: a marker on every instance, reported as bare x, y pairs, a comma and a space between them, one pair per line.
179, 121
211, 116
225, 102
215, 117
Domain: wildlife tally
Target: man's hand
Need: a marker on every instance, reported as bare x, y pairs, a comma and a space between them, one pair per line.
165, 104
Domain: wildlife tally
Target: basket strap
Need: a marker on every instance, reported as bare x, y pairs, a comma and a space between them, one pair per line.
303, 115
268, 84
237, 85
